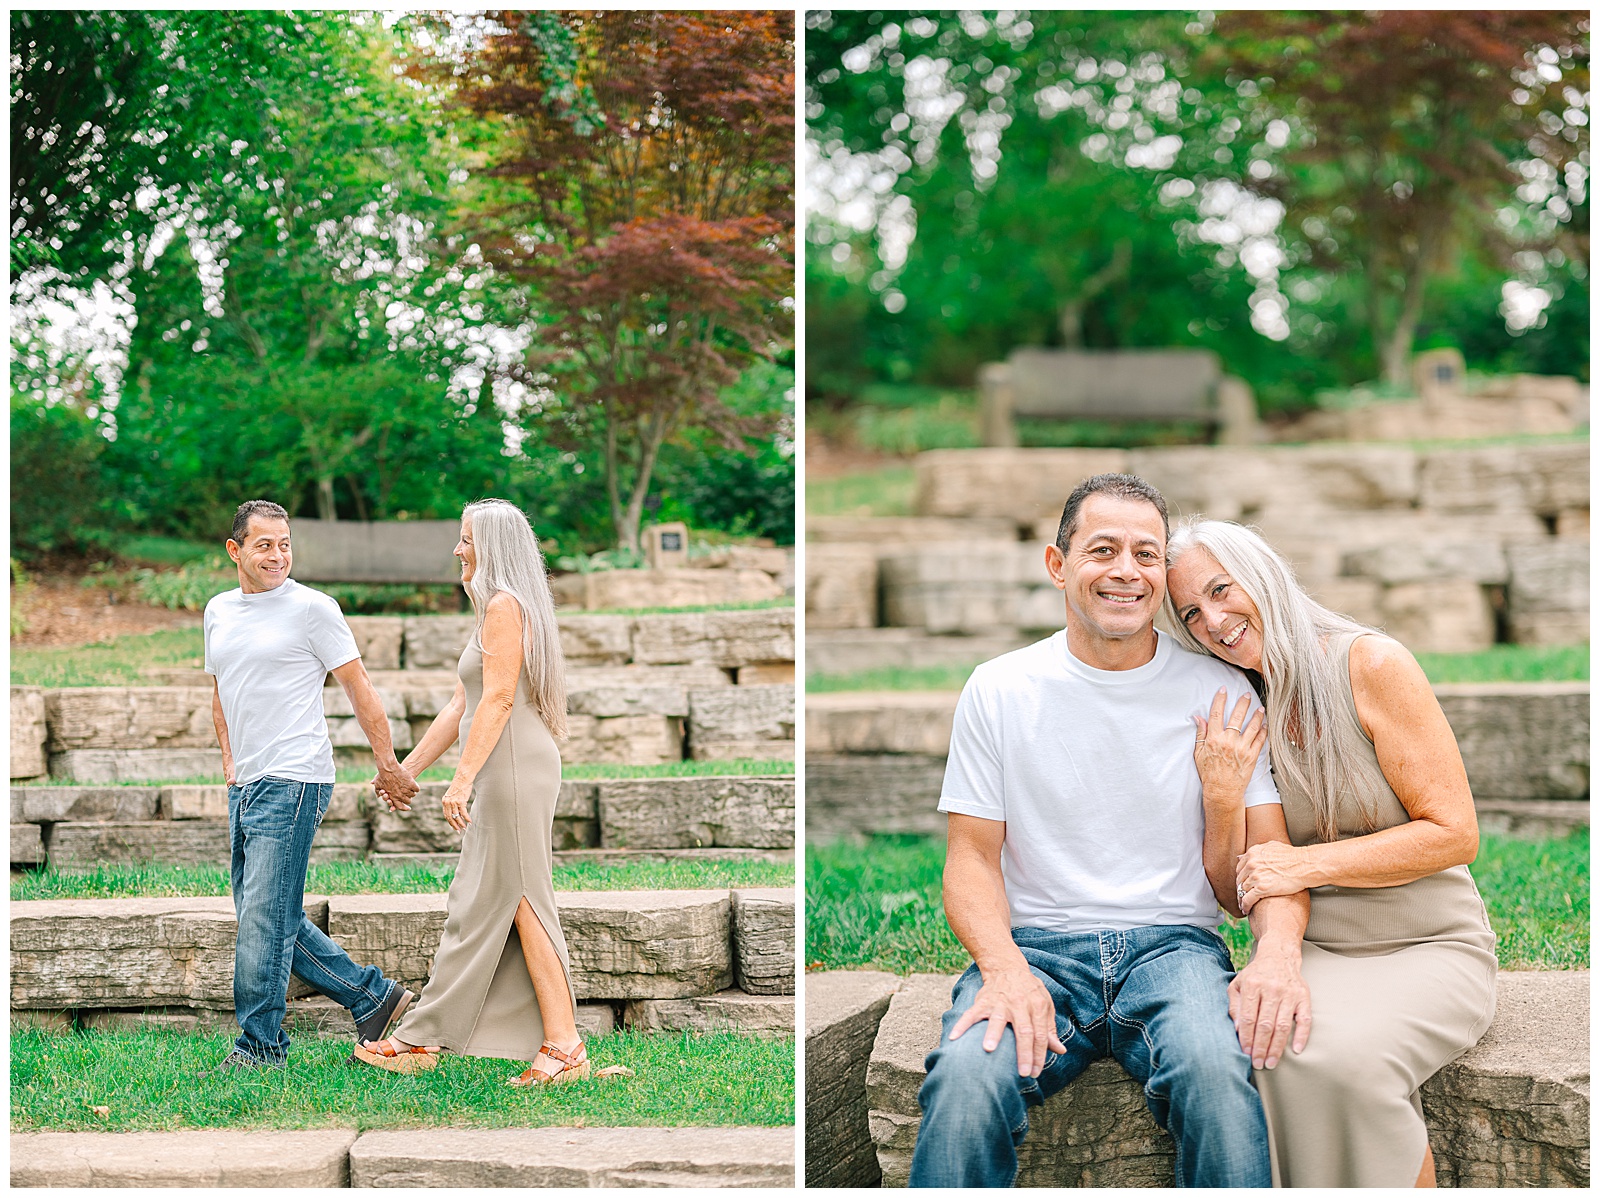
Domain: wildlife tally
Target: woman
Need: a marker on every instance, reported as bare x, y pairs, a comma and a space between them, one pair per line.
1398, 955
501, 984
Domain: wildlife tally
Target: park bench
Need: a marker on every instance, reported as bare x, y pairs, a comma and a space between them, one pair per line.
384, 551
1114, 385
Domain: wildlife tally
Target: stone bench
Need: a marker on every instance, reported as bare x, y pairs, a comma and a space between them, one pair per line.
1513, 1111
102, 954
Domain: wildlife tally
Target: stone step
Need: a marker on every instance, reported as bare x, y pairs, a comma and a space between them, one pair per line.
675, 1157
859, 649
843, 1010
683, 813
767, 1015
178, 952
1527, 1079
873, 794
191, 1159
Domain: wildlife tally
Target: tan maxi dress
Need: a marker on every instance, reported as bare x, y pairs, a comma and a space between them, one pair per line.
1402, 982
479, 999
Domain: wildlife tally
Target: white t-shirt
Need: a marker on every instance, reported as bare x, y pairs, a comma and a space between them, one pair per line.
1093, 773
271, 652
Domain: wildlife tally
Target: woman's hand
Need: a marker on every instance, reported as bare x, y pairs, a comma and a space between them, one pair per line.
1268, 869
455, 805
1225, 750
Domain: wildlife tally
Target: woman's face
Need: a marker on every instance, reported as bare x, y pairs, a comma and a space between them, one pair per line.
465, 551
1215, 609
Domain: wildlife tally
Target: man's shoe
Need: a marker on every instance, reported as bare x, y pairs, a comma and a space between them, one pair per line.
376, 1025
239, 1061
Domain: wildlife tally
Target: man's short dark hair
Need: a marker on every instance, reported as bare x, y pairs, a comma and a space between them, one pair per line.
1118, 486
264, 508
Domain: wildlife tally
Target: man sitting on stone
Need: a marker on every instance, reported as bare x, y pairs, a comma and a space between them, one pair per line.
270, 645
1083, 874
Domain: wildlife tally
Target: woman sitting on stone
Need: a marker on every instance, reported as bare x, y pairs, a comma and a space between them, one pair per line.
1397, 953
501, 984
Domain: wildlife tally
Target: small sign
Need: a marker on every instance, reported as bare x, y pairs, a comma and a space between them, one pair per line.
666, 546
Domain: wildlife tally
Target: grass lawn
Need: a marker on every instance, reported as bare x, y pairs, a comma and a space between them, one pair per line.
147, 1081
363, 877
577, 771
1502, 663
885, 492
877, 905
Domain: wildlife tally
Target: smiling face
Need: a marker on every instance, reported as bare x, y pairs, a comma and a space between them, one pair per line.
1215, 609
263, 559
465, 551
1114, 577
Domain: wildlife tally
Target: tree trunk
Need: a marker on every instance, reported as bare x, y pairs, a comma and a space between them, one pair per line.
628, 530
325, 508
1072, 310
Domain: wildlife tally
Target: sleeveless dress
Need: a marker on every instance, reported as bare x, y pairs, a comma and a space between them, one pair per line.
1402, 982
479, 999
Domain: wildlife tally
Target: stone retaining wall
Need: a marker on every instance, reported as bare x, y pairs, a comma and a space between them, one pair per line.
875, 759
81, 827
1513, 1111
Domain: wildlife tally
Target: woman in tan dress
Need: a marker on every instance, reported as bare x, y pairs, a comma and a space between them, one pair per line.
501, 984
1397, 952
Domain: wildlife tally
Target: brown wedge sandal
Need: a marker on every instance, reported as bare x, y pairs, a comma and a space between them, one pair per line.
396, 1058
574, 1067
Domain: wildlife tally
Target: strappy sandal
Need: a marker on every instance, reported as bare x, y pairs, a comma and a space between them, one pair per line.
385, 1054
574, 1067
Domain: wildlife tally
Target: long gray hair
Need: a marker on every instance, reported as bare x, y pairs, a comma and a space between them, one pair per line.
1303, 683
509, 560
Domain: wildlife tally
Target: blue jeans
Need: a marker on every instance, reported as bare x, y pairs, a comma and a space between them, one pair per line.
271, 823
1153, 998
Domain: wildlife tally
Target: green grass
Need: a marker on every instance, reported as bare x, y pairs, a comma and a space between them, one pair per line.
580, 771
116, 662
752, 605
878, 905
371, 877
886, 492
1502, 663
147, 1081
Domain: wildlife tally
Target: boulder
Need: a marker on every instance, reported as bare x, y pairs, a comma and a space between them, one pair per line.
916, 722
129, 717
625, 589
27, 846
49, 804
720, 638
135, 765
378, 639
1522, 740
727, 722
843, 1009
729, 811
1019, 485
206, 1159
691, 1158
624, 739
841, 586
28, 732
770, 1016
873, 794
763, 940
87, 846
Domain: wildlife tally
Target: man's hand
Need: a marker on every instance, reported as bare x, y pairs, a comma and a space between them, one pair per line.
1016, 997
1267, 1000
230, 773
396, 786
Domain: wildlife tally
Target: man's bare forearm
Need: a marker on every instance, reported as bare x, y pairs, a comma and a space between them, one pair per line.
220, 723
374, 721
975, 905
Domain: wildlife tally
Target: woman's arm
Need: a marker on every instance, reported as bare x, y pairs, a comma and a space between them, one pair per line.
441, 734
1420, 759
1225, 753
502, 666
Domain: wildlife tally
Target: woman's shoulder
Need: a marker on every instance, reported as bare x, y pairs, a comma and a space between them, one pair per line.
1385, 677
503, 604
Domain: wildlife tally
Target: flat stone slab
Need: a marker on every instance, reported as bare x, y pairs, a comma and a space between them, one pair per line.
1512, 1111
1527, 740
843, 1010
311, 1159
129, 717
915, 722
80, 846
872, 794
135, 765
766, 1015
854, 650
746, 717
27, 846
49, 804
28, 732
610, 856
575, 1157
763, 939
732, 811
719, 638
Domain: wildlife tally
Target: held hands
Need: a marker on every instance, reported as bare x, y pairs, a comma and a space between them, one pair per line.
1016, 997
1267, 1000
1225, 750
396, 787
1267, 869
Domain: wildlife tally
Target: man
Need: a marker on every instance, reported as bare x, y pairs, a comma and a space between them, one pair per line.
1084, 870
269, 647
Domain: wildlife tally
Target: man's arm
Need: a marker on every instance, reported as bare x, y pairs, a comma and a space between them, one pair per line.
1267, 998
220, 723
398, 785
975, 904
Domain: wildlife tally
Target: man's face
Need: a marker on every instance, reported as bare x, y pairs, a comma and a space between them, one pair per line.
1114, 571
263, 559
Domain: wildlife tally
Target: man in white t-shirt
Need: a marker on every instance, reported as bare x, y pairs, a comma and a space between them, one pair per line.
270, 646
1084, 874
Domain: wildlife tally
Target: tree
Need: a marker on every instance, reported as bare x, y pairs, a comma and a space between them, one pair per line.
642, 197
1409, 129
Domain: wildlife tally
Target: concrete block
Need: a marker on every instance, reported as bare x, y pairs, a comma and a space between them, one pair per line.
597, 640
27, 846
673, 1157
129, 717
841, 586
28, 732
763, 940
740, 715
720, 638
1447, 615
678, 813
624, 739
50, 804
625, 589
151, 1159
87, 846
915, 722
135, 765
379, 639
770, 1016
1524, 741
1019, 485
873, 794
843, 1010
